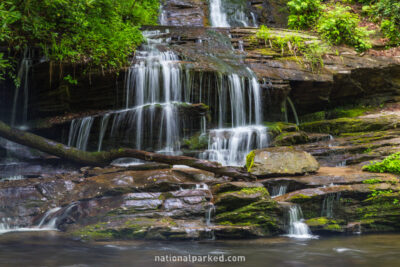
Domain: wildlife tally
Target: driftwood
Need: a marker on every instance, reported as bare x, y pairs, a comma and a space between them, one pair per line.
104, 158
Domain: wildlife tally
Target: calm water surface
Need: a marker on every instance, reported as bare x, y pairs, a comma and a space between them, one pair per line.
51, 249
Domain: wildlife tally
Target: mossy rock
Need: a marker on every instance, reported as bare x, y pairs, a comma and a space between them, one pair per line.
232, 200
196, 142
325, 225
291, 138
264, 214
280, 161
351, 125
276, 128
120, 228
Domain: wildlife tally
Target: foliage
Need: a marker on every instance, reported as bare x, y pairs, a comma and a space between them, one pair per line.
389, 164
312, 51
389, 12
100, 33
339, 26
303, 13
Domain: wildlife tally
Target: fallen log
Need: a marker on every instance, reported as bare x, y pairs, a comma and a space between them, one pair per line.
104, 158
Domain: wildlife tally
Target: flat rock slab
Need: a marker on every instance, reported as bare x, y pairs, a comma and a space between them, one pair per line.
280, 161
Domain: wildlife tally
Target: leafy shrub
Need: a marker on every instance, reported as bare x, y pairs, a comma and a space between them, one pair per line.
339, 26
389, 164
101, 33
303, 13
292, 43
389, 13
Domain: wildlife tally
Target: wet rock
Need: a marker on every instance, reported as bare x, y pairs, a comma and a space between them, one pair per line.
291, 138
235, 199
323, 225
351, 125
234, 186
280, 161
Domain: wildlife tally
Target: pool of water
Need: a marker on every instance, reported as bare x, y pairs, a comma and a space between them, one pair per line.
52, 249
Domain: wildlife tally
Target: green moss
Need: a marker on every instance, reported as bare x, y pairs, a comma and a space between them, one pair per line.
196, 142
372, 181
299, 198
316, 116
131, 229
253, 190
333, 227
250, 160
278, 127
390, 164
350, 125
264, 214
317, 221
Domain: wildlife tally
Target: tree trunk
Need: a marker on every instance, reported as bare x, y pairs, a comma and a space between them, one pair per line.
106, 157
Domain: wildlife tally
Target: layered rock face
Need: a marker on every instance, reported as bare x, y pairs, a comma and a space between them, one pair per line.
159, 202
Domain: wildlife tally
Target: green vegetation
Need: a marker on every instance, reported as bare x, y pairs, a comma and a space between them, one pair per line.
294, 44
303, 13
390, 164
99, 33
335, 23
196, 142
388, 12
372, 181
250, 160
339, 26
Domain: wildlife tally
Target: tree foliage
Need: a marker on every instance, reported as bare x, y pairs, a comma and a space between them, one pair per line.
339, 25
98, 32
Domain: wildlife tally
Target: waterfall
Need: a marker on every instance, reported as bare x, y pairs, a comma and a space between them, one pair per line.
47, 223
23, 77
79, 132
278, 190
230, 146
218, 17
297, 228
103, 129
328, 204
209, 214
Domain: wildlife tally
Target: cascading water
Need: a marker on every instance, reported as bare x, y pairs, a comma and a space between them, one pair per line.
230, 146
297, 228
278, 190
218, 18
328, 204
6, 224
23, 77
79, 132
237, 16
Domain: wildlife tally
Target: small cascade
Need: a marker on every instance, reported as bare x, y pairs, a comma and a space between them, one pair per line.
254, 19
79, 132
240, 44
328, 204
297, 227
47, 223
210, 213
223, 14
278, 190
103, 129
218, 17
23, 77
229, 146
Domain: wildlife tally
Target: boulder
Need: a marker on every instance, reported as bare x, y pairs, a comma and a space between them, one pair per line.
280, 161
